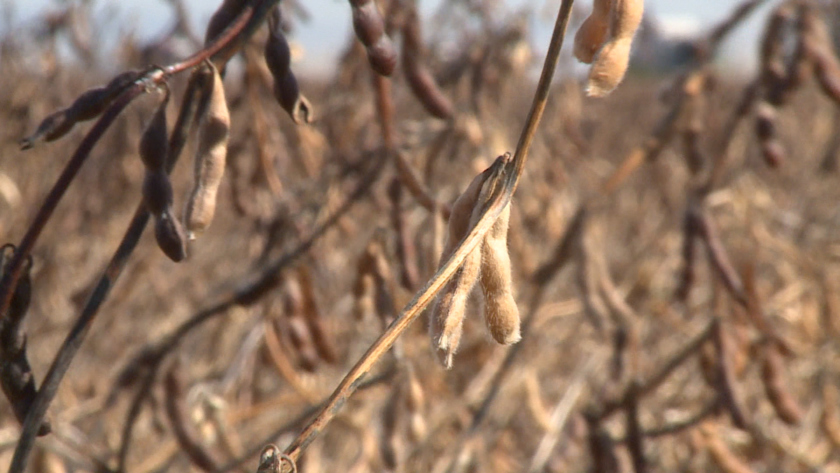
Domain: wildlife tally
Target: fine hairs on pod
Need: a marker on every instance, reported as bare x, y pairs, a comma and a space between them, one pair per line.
610, 64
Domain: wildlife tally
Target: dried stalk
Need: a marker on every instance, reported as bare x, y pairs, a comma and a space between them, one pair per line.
507, 179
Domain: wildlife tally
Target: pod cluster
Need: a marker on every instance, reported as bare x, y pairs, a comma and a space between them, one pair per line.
489, 263
157, 189
278, 58
785, 69
604, 40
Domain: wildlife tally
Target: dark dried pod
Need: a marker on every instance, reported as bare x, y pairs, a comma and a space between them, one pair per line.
368, 23
157, 192
51, 128
382, 56
18, 385
419, 79
370, 29
170, 236
765, 119
222, 18
773, 153
12, 337
776, 387
154, 144
828, 73
121, 81
87, 106
278, 59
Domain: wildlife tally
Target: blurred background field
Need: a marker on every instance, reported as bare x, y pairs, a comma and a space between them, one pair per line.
611, 316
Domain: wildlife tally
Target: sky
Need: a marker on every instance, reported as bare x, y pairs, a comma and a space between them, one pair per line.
323, 38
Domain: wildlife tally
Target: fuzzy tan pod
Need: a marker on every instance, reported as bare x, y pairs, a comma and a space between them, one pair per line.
500, 311
450, 309
447, 315
612, 60
593, 31
210, 156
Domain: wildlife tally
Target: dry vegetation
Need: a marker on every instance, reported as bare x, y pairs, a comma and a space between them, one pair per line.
674, 252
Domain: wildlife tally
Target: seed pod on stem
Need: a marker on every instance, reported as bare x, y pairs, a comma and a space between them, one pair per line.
210, 158
278, 58
776, 387
593, 31
611, 62
819, 49
16, 378
154, 144
370, 29
157, 192
500, 311
417, 75
447, 315
170, 236
87, 106
221, 19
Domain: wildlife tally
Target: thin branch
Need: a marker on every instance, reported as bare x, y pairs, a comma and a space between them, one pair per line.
506, 181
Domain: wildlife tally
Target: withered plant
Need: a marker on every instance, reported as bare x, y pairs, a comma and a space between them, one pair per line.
694, 330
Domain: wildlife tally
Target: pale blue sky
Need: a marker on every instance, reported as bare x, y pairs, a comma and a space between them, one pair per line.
324, 37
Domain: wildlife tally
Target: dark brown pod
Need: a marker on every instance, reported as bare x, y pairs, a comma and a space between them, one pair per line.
278, 56
170, 236
423, 86
773, 153
382, 56
154, 143
765, 127
89, 105
278, 59
222, 18
419, 79
51, 128
368, 23
19, 387
121, 81
157, 192
828, 74
776, 388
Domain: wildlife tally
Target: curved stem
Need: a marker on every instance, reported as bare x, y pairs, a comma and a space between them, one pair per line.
10, 278
506, 174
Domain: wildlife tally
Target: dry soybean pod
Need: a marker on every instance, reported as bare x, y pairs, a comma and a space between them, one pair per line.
593, 31
210, 157
370, 29
447, 315
87, 106
221, 19
419, 79
611, 62
278, 58
157, 189
776, 387
500, 311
